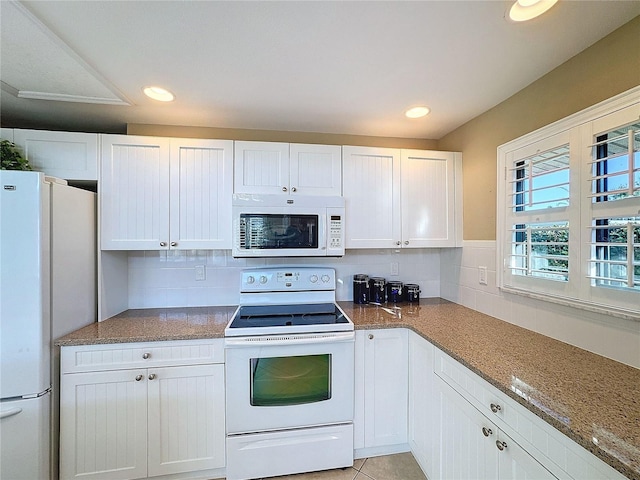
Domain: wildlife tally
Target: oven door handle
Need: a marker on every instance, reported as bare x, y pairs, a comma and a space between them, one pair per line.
278, 340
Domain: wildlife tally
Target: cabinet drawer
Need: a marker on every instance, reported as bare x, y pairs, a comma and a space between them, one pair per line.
90, 358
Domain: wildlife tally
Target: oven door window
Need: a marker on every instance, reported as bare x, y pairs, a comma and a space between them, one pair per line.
274, 232
293, 380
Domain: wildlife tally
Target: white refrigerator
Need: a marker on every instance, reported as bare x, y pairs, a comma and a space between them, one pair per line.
47, 289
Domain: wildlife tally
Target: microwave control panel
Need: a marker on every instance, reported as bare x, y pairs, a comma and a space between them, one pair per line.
335, 240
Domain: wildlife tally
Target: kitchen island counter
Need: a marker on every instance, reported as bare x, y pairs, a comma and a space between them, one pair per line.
581, 394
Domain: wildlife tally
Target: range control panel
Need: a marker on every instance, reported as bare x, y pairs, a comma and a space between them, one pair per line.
282, 279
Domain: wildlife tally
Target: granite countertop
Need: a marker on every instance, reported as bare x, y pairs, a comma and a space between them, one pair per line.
583, 395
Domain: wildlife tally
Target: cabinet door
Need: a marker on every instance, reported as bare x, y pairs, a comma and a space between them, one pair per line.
466, 450
261, 167
201, 179
386, 387
315, 169
103, 425
514, 463
423, 405
371, 189
68, 155
429, 198
134, 193
186, 419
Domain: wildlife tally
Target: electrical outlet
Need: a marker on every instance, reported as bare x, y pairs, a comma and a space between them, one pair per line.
482, 275
395, 268
200, 272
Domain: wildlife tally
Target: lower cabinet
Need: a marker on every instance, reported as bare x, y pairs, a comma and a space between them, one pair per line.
474, 447
381, 366
141, 422
423, 405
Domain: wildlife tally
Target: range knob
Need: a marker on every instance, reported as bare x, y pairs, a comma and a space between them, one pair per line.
313, 278
325, 278
250, 279
263, 279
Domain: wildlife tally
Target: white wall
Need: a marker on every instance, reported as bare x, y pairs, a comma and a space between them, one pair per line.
167, 278
605, 335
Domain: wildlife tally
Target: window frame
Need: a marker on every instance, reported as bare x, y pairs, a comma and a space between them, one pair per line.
579, 132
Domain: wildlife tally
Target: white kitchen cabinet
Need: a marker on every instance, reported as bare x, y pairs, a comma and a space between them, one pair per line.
431, 187
103, 425
423, 410
161, 193
371, 190
474, 447
402, 198
381, 372
68, 155
120, 420
291, 169
531, 442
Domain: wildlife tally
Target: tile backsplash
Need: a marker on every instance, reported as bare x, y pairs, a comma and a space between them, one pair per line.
169, 278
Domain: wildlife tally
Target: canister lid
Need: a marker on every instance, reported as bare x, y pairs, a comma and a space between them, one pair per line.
360, 278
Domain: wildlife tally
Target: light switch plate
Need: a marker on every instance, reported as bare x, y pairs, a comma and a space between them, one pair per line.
200, 272
482, 275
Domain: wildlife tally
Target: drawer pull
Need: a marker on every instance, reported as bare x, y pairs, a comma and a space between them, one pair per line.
146, 356
152, 376
138, 378
487, 431
501, 445
495, 408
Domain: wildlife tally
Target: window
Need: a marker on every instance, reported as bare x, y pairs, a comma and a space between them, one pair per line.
569, 210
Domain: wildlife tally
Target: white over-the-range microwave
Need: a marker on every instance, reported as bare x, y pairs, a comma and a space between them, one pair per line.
287, 226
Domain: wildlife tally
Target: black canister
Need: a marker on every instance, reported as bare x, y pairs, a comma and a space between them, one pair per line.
395, 292
412, 292
377, 292
360, 288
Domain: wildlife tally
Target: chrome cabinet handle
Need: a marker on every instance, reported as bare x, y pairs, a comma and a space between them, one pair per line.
398, 242
501, 445
495, 408
146, 355
152, 376
284, 189
138, 378
174, 244
370, 336
163, 244
487, 431
406, 242
294, 189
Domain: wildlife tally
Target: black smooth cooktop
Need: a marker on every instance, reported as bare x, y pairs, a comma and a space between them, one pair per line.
250, 316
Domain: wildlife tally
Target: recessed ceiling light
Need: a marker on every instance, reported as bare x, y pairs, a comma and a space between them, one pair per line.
524, 10
417, 112
158, 93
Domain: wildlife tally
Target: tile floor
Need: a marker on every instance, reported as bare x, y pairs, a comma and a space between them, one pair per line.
401, 466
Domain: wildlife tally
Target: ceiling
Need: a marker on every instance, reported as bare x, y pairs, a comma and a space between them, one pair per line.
348, 67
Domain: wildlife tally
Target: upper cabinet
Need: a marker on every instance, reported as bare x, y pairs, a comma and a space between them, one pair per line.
291, 169
68, 155
399, 198
161, 193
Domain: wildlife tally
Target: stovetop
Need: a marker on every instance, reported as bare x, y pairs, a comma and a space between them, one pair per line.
287, 301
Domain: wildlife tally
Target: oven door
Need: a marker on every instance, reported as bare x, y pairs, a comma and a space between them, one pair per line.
289, 381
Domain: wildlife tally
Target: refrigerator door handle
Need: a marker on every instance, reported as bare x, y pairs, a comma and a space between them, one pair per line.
10, 413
